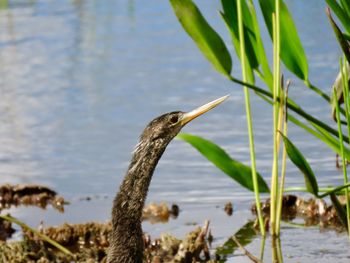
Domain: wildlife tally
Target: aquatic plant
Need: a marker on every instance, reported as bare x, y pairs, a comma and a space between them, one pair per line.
241, 21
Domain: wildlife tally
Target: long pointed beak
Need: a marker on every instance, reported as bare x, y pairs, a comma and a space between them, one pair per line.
189, 116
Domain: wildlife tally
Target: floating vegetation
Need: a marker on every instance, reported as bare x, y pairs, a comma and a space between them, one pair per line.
30, 195
6, 229
159, 213
194, 248
229, 208
313, 211
76, 236
89, 243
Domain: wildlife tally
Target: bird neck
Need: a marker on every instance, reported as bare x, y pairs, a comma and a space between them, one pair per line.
128, 205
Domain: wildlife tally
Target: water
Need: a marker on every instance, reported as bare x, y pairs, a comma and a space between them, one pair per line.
79, 80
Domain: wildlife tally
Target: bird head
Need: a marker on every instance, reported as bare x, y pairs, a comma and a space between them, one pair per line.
167, 126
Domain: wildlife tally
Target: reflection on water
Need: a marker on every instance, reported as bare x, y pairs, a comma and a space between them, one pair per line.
80, 79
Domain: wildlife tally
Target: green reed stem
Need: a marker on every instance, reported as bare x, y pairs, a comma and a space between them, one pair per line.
284, 114
304, 190
279, 251
276, 250
4, 4
262, 248
334, 190
276, 124
249, 118
42, 236
345, 85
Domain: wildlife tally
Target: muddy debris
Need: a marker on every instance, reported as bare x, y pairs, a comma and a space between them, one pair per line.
312, 211
30, 195
229, 208
89, 243
6, 230
159, 213
76, 236
194, 248
289, 208
174, 211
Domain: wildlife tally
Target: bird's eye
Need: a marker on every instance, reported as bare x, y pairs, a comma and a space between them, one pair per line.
174, 119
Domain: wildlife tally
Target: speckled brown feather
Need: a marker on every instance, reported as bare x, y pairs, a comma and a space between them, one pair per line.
126, 241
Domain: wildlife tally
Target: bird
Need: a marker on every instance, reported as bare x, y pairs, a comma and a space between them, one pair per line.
126, 241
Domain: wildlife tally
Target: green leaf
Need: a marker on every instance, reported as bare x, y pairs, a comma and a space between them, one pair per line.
344, 44
298, 159
255, 51
241, 173
38, 233
346, 6
292, 51
266, 74
230, 17
207, 40
346, 36
340, 13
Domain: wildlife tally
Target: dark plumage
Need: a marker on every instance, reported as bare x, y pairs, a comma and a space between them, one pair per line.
126, 243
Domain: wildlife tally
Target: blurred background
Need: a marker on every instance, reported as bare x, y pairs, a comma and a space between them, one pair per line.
79, 80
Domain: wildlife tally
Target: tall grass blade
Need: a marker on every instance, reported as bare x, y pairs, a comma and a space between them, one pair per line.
36, 232
241, 173
206, 38
298, 159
